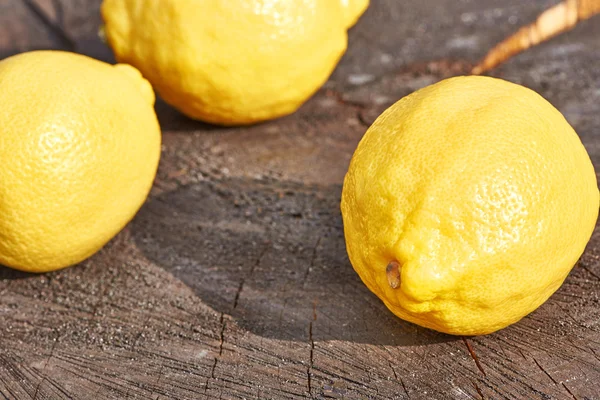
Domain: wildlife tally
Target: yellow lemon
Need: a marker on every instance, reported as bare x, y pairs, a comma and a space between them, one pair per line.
467, 203
231, 62
80, 144
353, 9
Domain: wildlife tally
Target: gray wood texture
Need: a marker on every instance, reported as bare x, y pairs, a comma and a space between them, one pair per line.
233, 283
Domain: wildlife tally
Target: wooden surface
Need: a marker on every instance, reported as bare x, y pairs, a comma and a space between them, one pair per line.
232, 282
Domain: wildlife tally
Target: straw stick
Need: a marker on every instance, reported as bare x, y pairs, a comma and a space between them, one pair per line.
557, 19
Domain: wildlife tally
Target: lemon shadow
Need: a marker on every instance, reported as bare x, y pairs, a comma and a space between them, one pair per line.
7, 274
272, 255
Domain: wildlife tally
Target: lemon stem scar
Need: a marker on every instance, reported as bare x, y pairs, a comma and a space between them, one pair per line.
393, 274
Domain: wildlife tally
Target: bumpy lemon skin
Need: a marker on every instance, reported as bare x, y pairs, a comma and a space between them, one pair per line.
80, 145
481, 191
229, 62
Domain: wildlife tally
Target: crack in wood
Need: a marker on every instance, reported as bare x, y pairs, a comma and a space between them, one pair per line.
238, 292
396, 377
222, 334
473, 355
594, 353
338, 376
4, 362
18, 375
311, 359
250, 273
393, 370
404, 387
544, 371
567, 389
521, 353
501, 350
221, 341
578, 323
212, 371
479, 392
37, 388
44, 369
575, 346
158, 380
312, 349
100, 381
62, 36
60, 389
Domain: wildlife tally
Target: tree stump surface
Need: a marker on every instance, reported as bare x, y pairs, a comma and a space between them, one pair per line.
233, 282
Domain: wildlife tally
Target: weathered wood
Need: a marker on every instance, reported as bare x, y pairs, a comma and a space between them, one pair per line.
232, 281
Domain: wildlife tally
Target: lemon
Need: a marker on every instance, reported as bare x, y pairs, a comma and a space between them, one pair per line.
467, 203
352, 10
80, 144
231, 62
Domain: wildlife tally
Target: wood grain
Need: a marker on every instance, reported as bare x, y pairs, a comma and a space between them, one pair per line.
233, 282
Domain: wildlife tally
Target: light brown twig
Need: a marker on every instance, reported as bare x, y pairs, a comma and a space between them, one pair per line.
557, 19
